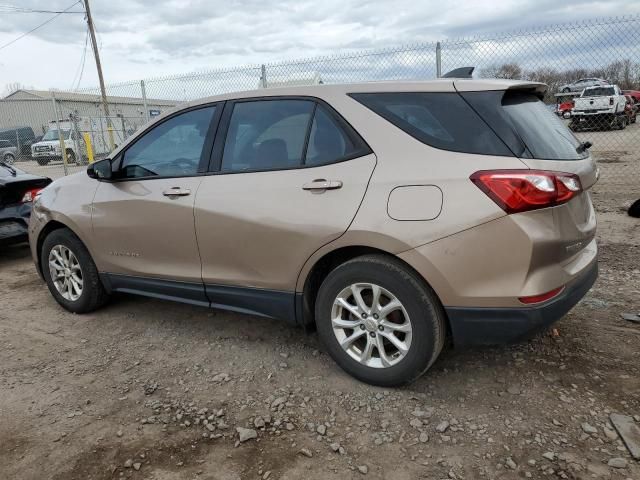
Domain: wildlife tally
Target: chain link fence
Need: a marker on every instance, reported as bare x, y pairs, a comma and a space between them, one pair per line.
562, 56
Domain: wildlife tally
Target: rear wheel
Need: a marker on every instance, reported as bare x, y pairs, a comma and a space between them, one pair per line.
70, 273
9, 158
379, 321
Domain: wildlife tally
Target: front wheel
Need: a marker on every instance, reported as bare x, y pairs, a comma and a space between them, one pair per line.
379, 321
42, 161
70, 273
9, 159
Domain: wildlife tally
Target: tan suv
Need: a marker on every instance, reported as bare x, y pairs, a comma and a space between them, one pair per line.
388, 215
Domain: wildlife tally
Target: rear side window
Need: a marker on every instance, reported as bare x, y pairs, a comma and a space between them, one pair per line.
328, 142
266, 135
526, 125
441, 120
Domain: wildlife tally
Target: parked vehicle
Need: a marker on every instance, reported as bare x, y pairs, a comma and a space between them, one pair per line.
47, 149
564, 109
583, 83
599, 107
17, 191
631, 109
386, 214
8, 152
20, 137
635, 94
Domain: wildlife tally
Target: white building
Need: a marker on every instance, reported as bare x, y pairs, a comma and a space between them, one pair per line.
35, 109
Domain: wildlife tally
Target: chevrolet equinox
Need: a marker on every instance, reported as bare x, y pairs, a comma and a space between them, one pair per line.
388, 215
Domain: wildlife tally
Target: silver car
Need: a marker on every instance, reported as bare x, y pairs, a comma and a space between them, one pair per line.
8, 152
583, 83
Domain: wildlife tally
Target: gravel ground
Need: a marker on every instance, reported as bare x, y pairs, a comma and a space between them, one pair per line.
156, 390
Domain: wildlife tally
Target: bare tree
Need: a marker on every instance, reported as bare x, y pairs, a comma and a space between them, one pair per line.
510, 71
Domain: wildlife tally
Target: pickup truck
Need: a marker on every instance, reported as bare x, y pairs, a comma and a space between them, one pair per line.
599, 107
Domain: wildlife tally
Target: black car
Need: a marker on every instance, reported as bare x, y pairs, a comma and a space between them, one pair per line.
17, 192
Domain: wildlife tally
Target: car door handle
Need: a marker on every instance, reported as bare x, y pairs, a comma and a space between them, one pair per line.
322, 184
177, 192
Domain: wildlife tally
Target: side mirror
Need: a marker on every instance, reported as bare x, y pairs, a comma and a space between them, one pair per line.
100, 170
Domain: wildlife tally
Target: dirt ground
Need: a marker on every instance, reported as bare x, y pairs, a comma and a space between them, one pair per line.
146, 389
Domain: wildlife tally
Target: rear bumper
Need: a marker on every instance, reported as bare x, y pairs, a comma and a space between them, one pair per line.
491, 326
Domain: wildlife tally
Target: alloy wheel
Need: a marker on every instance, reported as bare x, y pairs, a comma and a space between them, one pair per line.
66, 273
371, 325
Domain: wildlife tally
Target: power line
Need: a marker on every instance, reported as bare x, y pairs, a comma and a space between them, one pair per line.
4, 8
82, 62
39, 26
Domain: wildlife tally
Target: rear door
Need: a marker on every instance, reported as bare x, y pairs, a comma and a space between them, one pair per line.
542, 141
288, 176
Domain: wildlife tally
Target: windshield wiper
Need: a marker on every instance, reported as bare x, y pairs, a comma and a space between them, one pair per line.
9, 167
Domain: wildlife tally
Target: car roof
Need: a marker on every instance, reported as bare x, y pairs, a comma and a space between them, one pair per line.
327, 90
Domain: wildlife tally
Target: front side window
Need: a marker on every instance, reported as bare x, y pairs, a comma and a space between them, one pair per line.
171, 149
266, 135
442, 120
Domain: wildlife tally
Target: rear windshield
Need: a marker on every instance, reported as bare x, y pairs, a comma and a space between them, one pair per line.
527, 126
441, 120
598, 92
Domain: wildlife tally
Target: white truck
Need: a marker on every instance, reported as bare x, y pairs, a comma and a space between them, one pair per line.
73, 133
599, 107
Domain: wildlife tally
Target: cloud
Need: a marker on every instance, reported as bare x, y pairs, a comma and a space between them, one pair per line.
143, 38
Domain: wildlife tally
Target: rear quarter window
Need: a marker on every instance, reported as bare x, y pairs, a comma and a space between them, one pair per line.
439, 119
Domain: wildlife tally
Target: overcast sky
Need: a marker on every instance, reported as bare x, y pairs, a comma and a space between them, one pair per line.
149, 38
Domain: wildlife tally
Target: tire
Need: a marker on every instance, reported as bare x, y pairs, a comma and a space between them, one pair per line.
92, 294
9, 158
566, 90
71, 156
42, 161
426, 319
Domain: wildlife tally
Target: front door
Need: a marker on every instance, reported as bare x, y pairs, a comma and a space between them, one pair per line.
143, 220
291, 177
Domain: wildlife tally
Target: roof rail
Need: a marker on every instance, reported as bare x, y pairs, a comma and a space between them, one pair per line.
462, 72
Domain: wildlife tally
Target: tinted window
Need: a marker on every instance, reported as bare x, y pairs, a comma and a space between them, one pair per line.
328, 142
266, 135
441, 120
172, 149
524, 122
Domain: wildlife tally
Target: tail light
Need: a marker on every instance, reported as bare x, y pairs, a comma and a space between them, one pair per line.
611, 101
522, 190
30, 195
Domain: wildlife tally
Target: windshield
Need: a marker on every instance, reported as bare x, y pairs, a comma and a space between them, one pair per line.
598, 92
53, 135
526, 125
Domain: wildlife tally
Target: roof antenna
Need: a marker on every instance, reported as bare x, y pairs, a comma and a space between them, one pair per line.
462, 72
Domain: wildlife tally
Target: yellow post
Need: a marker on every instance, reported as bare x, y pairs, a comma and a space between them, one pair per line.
87, 142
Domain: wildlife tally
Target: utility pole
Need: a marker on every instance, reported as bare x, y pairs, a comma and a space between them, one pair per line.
96, 54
